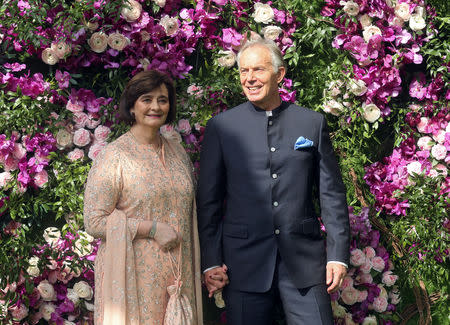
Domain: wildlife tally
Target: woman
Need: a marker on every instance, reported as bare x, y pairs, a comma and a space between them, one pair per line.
139, 200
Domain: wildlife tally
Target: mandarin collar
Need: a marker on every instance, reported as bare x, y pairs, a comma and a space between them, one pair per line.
276, 111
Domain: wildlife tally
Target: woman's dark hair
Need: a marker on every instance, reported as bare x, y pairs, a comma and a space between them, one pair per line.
142, 83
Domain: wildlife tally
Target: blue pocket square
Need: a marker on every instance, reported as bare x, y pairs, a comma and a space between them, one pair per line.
303, 143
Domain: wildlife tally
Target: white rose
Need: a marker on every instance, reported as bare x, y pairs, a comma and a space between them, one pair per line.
333, 107
371, 113
417, 22
263, 13
338, 310
439, 151
82, 249
83, 290
5, 178
420, 11
169, 24
402, 11
365, 20
46, 309
33, 261
349, 295
72, 296
349, 319
370, 31
439, 136
33, 271
61, 49
52, 235
49, 56
370, 320
46, 291
226, 59
160, 3
414, 167
351, 8
425, 143
89, 306
63, 139
98, 42
271, 32
117, 41
85, 236
357, 87
131, 10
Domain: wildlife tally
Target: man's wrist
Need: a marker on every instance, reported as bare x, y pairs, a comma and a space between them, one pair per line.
337, 262
210, 268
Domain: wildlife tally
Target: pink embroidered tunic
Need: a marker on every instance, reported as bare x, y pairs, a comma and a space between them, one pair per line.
128, 182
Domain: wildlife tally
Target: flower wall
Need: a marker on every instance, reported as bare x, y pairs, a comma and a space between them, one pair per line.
378, 69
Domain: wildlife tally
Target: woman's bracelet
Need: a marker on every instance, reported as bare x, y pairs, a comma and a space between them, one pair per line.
152, 232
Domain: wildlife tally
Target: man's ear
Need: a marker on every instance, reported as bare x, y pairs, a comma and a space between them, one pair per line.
280, 74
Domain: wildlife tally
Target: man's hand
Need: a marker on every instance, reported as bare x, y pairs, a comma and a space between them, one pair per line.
335, 275
216, 279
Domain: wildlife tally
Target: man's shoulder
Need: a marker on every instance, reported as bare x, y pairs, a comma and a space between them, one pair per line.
306, 112
231, 114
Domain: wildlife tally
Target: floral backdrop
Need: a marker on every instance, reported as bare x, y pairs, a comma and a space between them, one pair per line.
378, 70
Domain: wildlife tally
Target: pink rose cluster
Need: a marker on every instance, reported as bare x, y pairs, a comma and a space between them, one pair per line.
369, 288
84, 131
425, 152
381, 37
29, 85
62, 285
30, 157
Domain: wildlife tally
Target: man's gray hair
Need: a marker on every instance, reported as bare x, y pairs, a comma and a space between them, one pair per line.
275, 52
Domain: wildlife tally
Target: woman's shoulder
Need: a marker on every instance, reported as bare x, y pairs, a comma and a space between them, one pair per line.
116, 147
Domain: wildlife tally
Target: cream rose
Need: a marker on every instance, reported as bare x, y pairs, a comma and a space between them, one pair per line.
117, 41
98, 42
63, 139
357, 87
46, 291
371, 113
92, 25
362, 295
72, 296
414, 167
49, 56
439, 151
131, 10
338, 310
81, 137
263, 13
83, 290
425, 143
46, 309
61, 49
439, 136
402, 11
349, 296
89, 306
370, 31
226, 59
169, 24
365, 20
370, 320
271, 32
417, 22
52, 235
160, 3
19, 313
33, 271
380, 304
351, 8
75, 154
333, 107
82, 249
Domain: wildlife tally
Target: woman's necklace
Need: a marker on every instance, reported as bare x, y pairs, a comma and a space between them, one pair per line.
157, 148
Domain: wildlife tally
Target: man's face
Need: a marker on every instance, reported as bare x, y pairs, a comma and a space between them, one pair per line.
258, 78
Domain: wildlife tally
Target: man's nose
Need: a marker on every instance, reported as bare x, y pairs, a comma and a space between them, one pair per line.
250, 75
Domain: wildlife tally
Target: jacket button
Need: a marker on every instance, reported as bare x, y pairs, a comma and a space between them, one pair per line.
277, 231
274, 176
275, 204
273, 149
270, 122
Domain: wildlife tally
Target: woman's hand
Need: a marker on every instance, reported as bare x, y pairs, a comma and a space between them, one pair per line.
166, 237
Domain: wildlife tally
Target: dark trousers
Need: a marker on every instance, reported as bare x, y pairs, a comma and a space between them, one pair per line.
308, 306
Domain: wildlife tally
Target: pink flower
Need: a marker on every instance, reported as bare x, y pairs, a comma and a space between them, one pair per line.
414, 167
231, 37
378, 264
11, 164
81, 137
5, 178
74, 107
365, 278
423, 126
95, 149
41, 178
184, 127
439, 151
80, 119
425, 143
389, 279
357, 257
75, 154
92, 121
349, 295
439, 136
19, 151
380, 304
19, 312
362, 295
369, 252
101, 133
347, 282
366, 267
439, 169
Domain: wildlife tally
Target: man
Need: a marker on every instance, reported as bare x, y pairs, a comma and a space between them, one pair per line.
261, 164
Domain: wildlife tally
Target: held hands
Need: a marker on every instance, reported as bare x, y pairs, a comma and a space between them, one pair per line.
166, 237
335, 275
216, 279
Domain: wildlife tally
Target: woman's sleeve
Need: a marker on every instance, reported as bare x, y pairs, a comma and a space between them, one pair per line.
103, 189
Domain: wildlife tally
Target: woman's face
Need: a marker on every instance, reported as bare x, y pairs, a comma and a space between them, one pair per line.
151, 109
